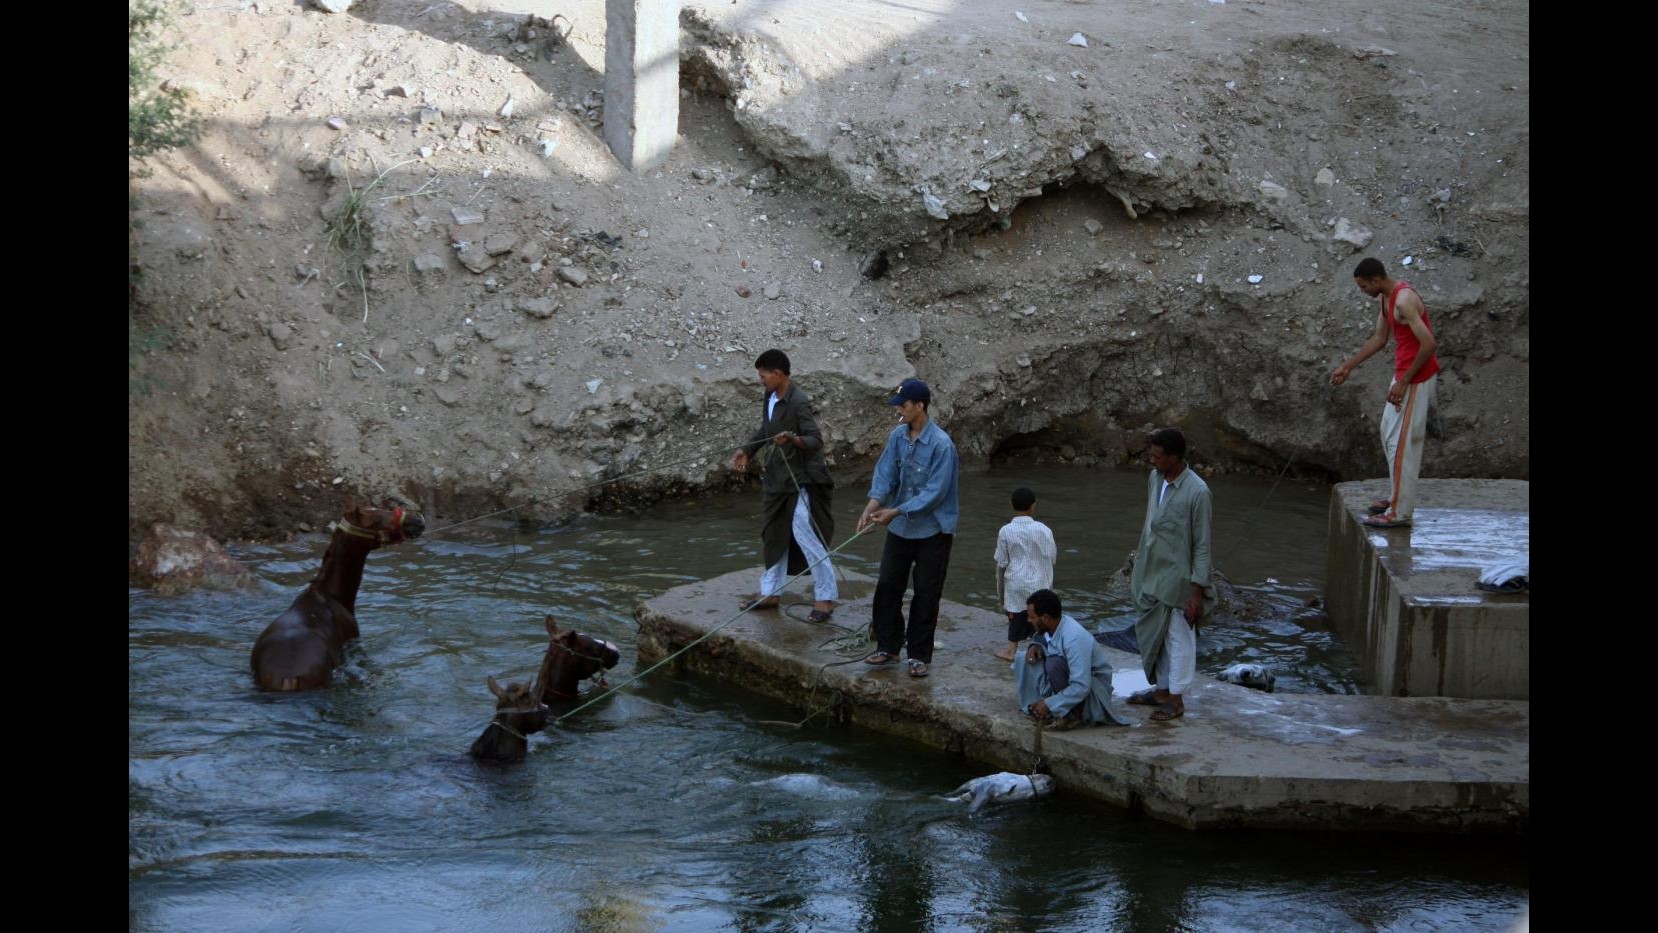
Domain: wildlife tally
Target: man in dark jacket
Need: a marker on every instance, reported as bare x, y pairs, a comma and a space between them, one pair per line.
797, 487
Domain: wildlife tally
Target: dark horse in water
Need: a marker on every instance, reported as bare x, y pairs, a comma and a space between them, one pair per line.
517, 714
572, 657
521, 710
300, 650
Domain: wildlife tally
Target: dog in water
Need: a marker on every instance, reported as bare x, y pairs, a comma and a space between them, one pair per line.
1001, 787
1255, 676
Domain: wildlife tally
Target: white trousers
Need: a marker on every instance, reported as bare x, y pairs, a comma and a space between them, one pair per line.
1177, 665
1404, 431
823, 575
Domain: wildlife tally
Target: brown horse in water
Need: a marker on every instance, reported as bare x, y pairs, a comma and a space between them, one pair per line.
521, 710
517, 714
300, 650
571, 657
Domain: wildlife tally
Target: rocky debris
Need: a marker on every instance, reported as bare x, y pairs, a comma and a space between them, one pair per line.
466, 216
574, 275
1325, 178
499, 244
280, 334
332, 6
1273, 191
174, 560
337, 123
1349, 232
1092, 226
541, 308
430, 116
448, 393
774, 291
1077, 39
443, 344
475, 257
743, 291
429, 264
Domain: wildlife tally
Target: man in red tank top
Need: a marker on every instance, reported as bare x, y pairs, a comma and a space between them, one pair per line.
1415, 367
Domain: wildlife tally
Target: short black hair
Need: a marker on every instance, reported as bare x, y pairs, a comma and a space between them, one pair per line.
1171, 440
773, 359
1023, 499
1369, 268
1044, 603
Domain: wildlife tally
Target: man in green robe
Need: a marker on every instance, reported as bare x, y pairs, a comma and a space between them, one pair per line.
1172, 583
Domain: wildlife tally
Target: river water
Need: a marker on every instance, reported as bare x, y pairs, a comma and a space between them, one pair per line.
673, 805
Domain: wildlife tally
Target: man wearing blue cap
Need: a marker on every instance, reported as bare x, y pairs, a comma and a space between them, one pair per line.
917, 474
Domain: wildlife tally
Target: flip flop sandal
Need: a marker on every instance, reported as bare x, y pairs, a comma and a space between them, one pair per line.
751, 603
1380, 506
1167, 712
1385, 521
918, 668
881, 658
820, 616
1143, 698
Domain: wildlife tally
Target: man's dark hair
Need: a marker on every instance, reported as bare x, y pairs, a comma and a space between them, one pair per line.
773, 359
1044, 603
1171, 440
1369, 268
1023, 499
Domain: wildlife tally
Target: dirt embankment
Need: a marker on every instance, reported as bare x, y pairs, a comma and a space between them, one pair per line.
470, 304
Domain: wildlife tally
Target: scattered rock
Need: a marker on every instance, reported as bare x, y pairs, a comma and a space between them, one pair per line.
500, 244
1272, 191
743, 292
934, 206
1078, 39
448, 394
574, 275
430, 115
332, 6
542, 308
506, 108
593, 385
1093, 226
1349, 232
280, 335
874, 265
476, 258
429, 264
397, 90
774, 291
173, 560
1259, 392
337, 123
465, 216
1067, 452
1255, 279
1325, 178
444, 344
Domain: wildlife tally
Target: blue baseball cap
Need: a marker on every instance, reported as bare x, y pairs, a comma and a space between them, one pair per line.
911, 390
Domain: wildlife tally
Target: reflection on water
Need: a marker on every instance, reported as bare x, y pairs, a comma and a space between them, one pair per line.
671, 806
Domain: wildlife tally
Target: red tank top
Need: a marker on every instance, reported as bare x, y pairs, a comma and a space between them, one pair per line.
1405, 339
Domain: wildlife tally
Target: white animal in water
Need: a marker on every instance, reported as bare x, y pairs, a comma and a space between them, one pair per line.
1258, 676
1001, 786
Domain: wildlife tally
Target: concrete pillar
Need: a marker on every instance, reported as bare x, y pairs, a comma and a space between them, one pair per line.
641, 80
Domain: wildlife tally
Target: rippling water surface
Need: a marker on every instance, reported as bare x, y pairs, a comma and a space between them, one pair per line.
672, 805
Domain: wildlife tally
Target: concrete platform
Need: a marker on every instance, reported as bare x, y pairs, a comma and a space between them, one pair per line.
1404, 599
1239, 757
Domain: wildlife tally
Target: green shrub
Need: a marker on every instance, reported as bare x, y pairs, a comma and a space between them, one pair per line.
157, 118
